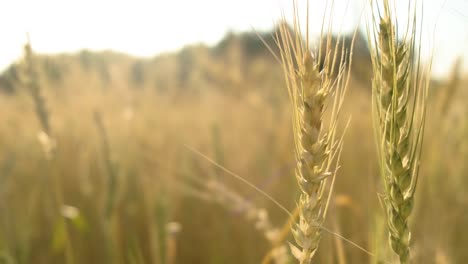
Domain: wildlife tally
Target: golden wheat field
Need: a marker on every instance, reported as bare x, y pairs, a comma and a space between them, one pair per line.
194, 156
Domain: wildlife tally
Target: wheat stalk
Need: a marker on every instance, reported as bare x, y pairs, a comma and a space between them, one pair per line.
31, 81
215, 191
49, 144
399, 103
35, 89
311, 82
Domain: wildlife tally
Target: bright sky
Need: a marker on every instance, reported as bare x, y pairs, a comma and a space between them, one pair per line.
146, 28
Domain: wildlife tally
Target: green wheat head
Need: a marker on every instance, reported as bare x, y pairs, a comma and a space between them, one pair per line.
399, 104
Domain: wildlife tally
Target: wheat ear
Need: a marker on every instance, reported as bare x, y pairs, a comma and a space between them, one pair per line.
310, 84
399, 103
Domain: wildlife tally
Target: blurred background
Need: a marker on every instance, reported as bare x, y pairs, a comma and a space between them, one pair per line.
102, 116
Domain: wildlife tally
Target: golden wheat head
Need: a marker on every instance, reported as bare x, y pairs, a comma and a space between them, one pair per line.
312, 85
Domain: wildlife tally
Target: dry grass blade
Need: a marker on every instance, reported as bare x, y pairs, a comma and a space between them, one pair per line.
215, 191
241, 179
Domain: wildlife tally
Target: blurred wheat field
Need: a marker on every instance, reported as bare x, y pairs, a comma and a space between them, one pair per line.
121, 186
